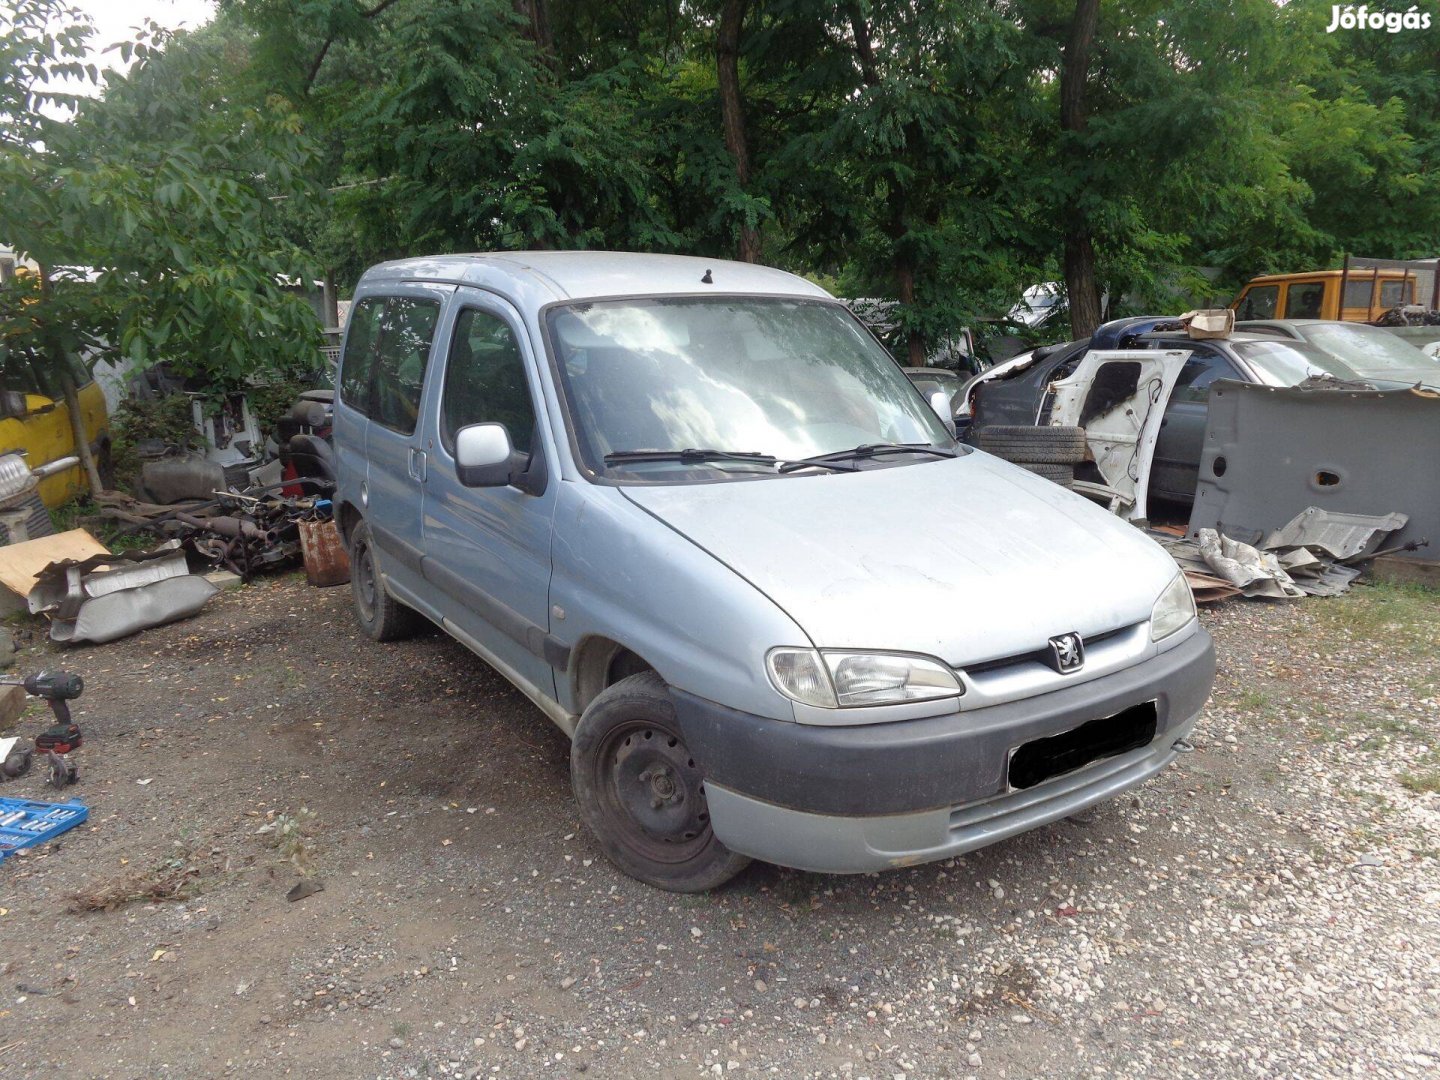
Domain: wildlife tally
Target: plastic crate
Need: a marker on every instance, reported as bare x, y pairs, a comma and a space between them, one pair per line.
42, 821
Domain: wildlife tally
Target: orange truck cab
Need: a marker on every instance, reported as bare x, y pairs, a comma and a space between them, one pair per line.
1317, 295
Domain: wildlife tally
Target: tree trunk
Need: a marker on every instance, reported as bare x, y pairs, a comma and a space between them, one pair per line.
732, 113
538, 30
864, 48
77, 429
905, 286
330, 302
1080, 284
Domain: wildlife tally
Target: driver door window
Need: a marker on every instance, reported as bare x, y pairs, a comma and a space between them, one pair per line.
1259, 302
485, 381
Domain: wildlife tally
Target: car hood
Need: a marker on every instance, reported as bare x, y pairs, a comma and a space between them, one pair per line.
968, 559
1404, 380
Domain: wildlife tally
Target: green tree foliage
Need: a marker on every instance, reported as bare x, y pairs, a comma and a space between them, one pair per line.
915, 150
151, 210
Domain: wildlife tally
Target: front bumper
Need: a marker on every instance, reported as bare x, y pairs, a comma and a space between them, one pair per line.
857, 799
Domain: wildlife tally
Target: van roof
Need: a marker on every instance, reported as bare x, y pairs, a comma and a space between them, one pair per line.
568, 275
1306, 275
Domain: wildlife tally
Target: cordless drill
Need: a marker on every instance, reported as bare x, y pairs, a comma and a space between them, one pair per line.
56, 687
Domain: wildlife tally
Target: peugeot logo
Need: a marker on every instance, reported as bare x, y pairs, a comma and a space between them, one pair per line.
1067, 653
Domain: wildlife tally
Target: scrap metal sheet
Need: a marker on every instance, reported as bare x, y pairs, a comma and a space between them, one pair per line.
1272, 453
1342, 535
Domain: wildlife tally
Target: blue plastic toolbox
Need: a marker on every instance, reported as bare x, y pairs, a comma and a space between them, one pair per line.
39, 821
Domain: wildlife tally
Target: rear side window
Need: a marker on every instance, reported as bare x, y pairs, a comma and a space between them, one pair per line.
1357, 293
359, 359
383, 370
405, 332
485, 381
1304, 301
1395, 293
1200, 370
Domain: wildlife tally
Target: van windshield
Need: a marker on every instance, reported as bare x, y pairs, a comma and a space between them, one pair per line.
740, 385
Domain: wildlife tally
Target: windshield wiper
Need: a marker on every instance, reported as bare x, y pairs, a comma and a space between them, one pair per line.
618, 457
867, 450
700, 456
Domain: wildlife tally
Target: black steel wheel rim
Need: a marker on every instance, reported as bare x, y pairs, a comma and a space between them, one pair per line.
651, 793
365, 584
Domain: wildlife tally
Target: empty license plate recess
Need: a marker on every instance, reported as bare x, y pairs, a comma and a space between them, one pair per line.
1039, 760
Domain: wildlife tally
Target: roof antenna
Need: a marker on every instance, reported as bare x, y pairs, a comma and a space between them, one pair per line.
707, 279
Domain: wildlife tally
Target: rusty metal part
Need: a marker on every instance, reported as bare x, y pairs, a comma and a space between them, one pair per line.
326, 562
225, 525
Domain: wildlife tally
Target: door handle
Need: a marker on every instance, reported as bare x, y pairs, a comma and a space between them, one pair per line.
417, 464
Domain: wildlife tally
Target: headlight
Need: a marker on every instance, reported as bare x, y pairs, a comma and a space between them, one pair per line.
832, 678
1173, 611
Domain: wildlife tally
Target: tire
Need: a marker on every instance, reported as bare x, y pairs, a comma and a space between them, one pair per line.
640, 793
380, 615
1064, 475
1043, 445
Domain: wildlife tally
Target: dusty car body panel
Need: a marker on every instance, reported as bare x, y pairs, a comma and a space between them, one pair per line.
44, 436
1121, 415
1272, 453
855, 580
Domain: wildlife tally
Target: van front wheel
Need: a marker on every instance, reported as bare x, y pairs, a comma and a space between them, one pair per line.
641, 793
379, 614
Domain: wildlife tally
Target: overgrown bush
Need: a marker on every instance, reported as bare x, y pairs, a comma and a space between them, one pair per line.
167, 420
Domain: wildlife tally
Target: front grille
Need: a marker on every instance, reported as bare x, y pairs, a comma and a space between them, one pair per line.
1035, 656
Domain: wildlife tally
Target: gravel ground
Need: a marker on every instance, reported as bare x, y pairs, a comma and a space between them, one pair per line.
1269, 906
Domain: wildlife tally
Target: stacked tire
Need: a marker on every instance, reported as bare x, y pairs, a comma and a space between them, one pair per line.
1051, 452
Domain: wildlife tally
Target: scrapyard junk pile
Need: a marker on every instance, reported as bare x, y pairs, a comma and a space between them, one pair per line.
242, 503
91, 594
1299, 477
244, 532
1317, 554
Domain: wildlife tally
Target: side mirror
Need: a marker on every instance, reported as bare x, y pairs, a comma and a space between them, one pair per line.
483, 455
940, 402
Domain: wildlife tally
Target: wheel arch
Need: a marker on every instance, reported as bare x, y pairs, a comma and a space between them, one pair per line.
599, 662
347, 516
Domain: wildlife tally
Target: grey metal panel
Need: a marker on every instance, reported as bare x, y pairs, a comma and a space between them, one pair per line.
1342, 535
119, 614
1271, 453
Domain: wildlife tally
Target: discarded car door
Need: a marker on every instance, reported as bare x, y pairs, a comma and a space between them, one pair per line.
699, 516
1119, 397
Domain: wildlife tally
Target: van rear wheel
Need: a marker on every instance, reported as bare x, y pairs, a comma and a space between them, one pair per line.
641, 793
379, 614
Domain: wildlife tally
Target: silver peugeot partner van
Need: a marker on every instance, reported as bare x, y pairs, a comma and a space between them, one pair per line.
700, 517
